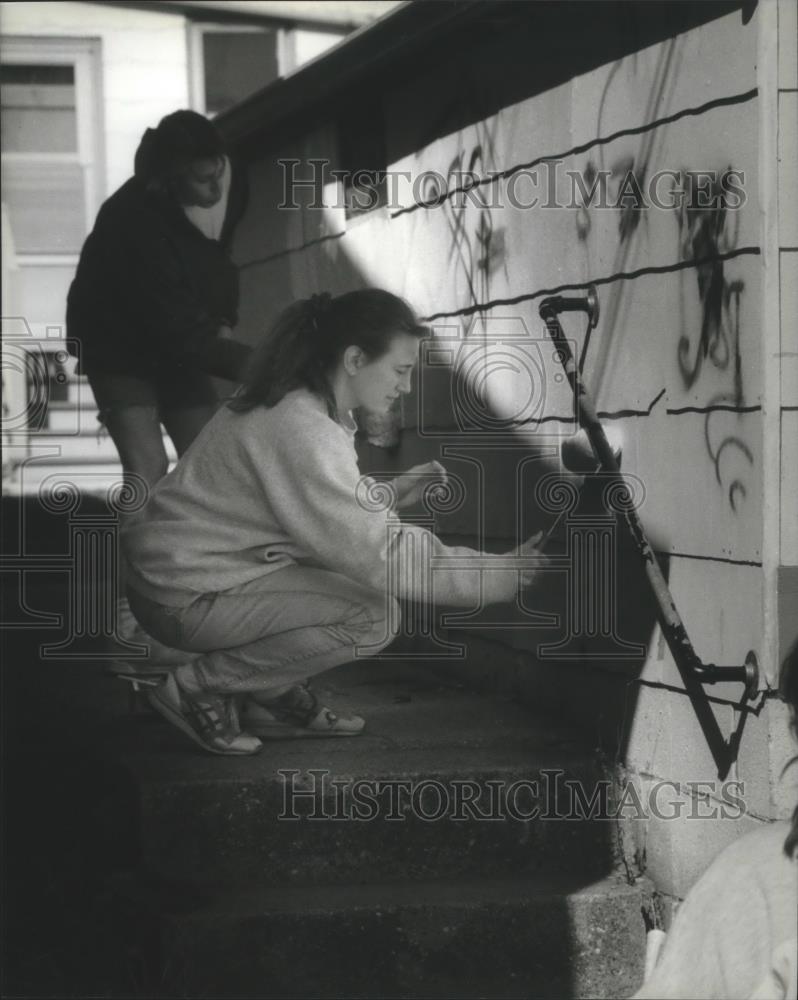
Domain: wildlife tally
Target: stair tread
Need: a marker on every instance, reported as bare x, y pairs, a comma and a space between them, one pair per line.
459, 893
416, 725
372, 759
467, 938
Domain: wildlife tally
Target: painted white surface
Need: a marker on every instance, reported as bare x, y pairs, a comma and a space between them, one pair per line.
788, 347
789, 491
308, 45
142, 76
331, 12
788, 168
144, 66
703, 473
788, 44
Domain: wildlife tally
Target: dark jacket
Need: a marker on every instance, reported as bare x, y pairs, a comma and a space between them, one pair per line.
151, 291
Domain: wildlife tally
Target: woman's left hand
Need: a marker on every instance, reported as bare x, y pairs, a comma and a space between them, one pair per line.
411, 485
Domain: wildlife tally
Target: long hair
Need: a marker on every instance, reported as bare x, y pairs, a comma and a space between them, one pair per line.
309, 338
788, 691
167, 151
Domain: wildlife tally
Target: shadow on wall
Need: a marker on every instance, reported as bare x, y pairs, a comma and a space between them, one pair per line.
591, 617
574, 643
512, 51
577, 641
571, 648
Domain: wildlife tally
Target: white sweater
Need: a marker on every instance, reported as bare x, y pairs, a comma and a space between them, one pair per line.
265, 489
735, 937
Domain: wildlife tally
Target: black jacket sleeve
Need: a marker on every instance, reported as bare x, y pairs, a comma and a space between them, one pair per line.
189, 289
151, 289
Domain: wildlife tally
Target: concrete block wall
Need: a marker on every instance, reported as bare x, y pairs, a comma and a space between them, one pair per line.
677, 364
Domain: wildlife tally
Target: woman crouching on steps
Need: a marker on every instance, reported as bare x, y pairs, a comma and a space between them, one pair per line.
255, 552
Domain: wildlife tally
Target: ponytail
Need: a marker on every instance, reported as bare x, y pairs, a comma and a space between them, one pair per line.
309, 338
290, 356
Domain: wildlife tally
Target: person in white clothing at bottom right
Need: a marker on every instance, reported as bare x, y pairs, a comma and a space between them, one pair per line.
735, 937
263, 553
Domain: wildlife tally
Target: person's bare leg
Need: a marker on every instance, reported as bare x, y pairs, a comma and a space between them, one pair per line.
136, 432
184, 424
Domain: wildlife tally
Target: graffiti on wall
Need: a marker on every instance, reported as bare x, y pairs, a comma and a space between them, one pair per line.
624, 180
476, 243
707, 230
621, 186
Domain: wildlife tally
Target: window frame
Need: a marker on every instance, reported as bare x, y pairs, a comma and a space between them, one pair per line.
196, 53
84, 55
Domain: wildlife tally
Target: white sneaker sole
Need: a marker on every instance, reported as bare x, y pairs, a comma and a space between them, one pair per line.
266, 729
165, 699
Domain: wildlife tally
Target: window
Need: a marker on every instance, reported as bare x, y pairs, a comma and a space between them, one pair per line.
39, 114
52, 187
49, 141
230, 63
236, 65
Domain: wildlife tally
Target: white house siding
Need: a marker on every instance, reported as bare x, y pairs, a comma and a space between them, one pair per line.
788, 266
787, 171
141, 75
144, 66
691, 424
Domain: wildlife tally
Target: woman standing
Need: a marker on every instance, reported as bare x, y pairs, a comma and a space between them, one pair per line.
155, 296
261, 551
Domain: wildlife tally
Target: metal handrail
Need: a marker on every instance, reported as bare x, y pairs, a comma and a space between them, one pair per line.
694, 672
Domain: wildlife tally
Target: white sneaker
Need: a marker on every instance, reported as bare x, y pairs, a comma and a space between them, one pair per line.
208, 719
296, 714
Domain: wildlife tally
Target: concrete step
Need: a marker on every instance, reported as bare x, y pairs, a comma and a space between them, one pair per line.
442, 783
406, 820
436, 909
466, 938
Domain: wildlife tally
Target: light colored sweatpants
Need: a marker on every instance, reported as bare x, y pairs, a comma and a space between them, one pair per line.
275, 630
